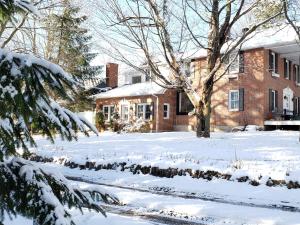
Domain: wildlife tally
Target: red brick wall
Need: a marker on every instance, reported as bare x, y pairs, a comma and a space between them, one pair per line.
277, 83
112, 75
256, 81
252, 80
163, 124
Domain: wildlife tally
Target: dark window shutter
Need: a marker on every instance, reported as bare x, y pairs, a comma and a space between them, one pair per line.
270, 61
276, 63
290, 70
241, 62
298, 105
285, 69
152, 110
270, 100
294, 72
295, 106
136, 111
177, 103
241, 99
276, 101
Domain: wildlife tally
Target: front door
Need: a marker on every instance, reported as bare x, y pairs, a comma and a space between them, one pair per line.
288, 105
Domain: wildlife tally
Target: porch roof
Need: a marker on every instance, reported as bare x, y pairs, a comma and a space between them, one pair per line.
140, 89
282, 123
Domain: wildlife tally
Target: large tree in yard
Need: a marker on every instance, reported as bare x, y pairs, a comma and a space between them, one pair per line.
174, 29
27, 189
291, 10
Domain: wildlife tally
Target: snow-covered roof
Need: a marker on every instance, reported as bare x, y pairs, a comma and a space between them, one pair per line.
140, 89
275, 37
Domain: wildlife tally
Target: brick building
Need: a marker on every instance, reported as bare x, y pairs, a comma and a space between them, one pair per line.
262, 87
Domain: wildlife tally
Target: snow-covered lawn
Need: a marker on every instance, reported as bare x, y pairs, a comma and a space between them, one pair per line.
258, 155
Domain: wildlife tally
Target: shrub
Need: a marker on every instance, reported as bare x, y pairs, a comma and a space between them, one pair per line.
138, 125
100, 121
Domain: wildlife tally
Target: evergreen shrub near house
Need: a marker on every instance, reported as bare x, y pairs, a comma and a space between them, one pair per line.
100, 121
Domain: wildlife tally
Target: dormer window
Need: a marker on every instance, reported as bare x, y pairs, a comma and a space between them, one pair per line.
136, 79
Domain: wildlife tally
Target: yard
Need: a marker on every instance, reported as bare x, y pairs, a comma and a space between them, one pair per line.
245, 179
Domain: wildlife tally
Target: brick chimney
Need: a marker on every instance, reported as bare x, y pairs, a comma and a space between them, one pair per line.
112, 75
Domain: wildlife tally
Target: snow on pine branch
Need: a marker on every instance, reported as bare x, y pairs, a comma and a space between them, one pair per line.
26, 86
23, 5
47, 191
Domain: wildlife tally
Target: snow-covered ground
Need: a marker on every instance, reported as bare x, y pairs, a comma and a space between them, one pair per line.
219, 201
258, 155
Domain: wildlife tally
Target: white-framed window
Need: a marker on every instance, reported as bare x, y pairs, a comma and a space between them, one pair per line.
108, 111
125, 112
234, 100
273, 101
144, 111
234, 59
273, 64
166, 111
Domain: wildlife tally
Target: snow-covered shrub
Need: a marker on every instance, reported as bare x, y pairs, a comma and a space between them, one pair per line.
138, 125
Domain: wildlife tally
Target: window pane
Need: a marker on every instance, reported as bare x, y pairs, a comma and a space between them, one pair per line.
234, 67
140, 113
186, 105
105, 112
136, 80
148, 112
234, 100
124, 112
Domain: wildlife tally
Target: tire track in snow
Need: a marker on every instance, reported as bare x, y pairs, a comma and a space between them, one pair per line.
280, 207
155, 218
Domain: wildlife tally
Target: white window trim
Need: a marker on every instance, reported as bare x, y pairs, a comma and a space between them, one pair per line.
237, 71
229, 102
109, 111
144, 111
274, 65
121, 113
168, 111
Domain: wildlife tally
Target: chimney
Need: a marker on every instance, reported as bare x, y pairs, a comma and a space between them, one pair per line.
112, 75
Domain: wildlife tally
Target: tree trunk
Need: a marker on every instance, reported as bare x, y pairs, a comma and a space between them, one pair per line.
203, 113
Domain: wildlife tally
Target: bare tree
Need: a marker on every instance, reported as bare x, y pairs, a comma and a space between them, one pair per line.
173, 29
291, 10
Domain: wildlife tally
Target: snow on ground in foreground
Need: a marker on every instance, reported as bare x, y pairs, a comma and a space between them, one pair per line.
268, 154
89, 218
